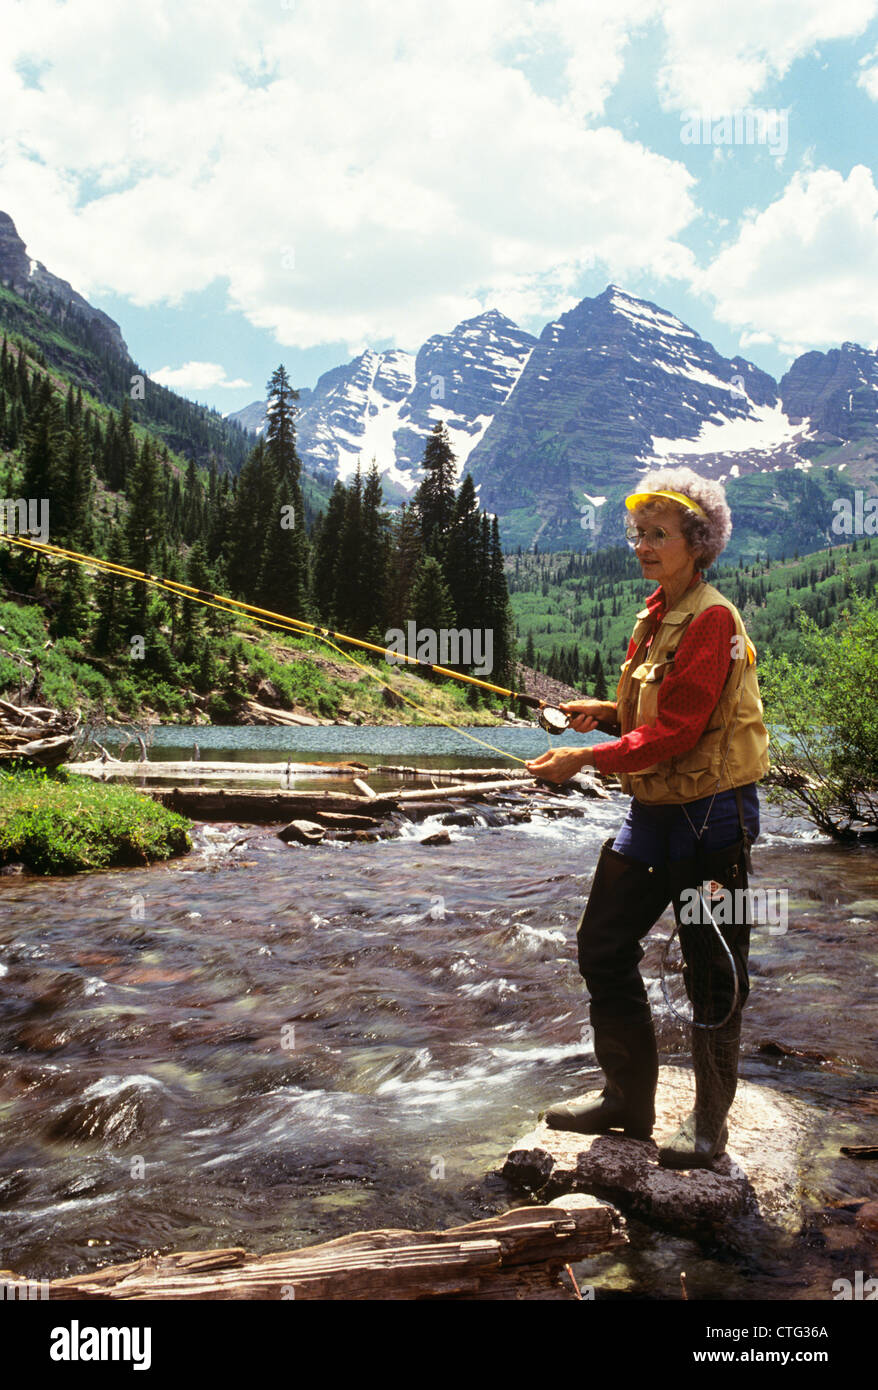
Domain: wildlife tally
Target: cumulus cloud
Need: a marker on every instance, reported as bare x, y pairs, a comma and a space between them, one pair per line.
868, 78
720, 61
353, 173
366, 173
807, 265
196, 376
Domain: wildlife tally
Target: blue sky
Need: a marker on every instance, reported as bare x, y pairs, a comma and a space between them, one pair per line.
294, 181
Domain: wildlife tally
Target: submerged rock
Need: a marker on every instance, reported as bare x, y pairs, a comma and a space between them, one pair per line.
439, 837
758, 1177
302, 832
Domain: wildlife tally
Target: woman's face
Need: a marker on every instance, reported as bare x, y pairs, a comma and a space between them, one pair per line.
672, 563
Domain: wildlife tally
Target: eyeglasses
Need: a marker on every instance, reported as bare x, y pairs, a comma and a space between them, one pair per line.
655, 537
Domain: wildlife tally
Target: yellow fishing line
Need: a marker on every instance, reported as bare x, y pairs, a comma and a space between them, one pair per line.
430, 715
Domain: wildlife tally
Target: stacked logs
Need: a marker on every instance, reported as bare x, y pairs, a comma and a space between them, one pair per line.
35, 735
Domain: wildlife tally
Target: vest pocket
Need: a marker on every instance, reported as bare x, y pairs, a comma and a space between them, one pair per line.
650, 676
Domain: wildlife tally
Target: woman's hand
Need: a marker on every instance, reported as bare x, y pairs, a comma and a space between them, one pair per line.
559, 764
585, 715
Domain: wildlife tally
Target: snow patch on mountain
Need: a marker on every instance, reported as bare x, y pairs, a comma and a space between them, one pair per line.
764, 430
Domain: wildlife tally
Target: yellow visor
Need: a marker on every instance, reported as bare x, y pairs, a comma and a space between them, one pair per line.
638, 498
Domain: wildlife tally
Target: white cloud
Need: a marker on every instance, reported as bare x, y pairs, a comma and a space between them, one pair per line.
868, 78
196, 376
806, 268
719, 60
370, 172
355, 173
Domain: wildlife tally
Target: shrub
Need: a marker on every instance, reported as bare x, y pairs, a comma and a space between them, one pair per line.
823, 709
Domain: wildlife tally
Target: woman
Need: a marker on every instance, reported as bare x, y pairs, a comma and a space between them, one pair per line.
690, 747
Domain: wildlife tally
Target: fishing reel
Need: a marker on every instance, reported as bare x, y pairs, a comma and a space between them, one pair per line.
552, 719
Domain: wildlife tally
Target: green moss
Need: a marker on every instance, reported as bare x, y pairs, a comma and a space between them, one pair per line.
61, 824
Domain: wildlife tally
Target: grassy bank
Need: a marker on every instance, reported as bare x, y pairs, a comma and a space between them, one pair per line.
244, 663
60, 824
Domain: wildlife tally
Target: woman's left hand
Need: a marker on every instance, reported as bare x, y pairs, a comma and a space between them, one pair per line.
559, 764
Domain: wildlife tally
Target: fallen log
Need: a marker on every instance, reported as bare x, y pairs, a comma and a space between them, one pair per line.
518, 1254
118, 767
454, 774
269, 715
34, 734
257, 806
464, 790
364, 789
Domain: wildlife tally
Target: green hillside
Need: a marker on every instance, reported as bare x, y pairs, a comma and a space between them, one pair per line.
569, 606
266, 534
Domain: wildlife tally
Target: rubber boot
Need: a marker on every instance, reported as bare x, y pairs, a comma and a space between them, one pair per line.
704, 1133
626, 899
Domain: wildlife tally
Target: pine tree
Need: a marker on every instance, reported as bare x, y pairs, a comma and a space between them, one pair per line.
142, 526
462, 556
72, 520
286, 557
42, 445
406, 553
373, 559
253, 502
434, 499
348, 598
498, 616
430, 600
327, 553
111, 601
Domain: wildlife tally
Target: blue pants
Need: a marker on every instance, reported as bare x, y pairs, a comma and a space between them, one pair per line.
664, 856
662, 834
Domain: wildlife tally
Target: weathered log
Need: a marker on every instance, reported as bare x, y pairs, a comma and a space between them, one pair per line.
519, 1253
117, 767
279, 716
454, 774
35, 734
364, 789
340, 820
256, 806
464, 790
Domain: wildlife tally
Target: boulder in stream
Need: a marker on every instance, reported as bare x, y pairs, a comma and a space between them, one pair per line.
758, 1177
302, 832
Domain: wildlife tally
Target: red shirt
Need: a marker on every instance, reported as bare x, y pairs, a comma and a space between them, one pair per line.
687, 695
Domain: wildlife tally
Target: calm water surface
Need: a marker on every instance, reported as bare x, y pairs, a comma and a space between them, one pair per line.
269, 1045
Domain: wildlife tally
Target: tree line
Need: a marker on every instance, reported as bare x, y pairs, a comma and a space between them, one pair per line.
115, 493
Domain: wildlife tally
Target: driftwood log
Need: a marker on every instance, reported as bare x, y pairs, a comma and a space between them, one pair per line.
35, 735
103, 768
520, 1254
257, 806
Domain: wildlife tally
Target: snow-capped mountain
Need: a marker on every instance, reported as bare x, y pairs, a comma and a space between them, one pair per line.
613, 387
383, 405
555, 430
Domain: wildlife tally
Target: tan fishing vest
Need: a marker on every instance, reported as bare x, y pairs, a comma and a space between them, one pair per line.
733, 750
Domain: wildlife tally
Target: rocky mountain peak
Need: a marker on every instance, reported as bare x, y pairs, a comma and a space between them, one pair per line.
59, 299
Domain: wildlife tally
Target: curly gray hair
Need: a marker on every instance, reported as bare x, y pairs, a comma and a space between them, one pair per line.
707, 536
